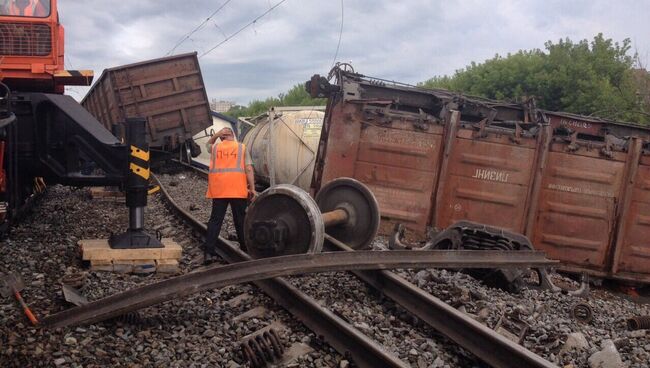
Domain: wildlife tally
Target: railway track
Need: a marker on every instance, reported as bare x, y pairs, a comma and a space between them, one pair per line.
471, 335
206, 327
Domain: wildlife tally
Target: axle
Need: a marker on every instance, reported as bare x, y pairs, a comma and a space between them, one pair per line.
337, 217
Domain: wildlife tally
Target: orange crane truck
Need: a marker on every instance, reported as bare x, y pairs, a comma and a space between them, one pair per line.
48, 137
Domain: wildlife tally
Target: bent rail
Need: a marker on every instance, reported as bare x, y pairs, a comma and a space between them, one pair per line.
266, 268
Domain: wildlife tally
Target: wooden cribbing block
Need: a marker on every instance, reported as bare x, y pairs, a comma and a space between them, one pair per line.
137, 267
106, 266
99, 250
139, 261
123, 267
169, 266
103, 193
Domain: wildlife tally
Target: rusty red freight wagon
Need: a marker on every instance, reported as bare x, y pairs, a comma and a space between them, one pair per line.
578, 187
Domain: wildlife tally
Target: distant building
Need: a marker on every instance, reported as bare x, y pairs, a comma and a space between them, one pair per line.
221, 106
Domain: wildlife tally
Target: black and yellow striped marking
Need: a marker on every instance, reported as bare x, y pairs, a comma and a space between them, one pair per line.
139, 153
74, 77
39, 185
153, 190
140, 171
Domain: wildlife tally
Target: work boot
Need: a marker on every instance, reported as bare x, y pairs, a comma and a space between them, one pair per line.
209, 254
209, 259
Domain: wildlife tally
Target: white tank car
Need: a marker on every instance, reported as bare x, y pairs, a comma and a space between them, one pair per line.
219, 121
289, 150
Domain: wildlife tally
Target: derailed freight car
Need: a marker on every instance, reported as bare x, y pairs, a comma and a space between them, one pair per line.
169, 92
578, 187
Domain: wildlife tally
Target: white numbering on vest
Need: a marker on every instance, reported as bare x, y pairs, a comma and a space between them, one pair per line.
491, 175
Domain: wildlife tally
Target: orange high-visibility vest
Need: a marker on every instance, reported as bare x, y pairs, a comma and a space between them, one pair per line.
227, 176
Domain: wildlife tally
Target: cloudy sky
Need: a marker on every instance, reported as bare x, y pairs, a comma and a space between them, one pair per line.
404, 40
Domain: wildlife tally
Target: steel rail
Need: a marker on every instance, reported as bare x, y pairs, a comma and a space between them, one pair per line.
236, 273
485, 343
339, 334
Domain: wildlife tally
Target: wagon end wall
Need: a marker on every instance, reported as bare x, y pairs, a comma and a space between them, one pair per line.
168, 92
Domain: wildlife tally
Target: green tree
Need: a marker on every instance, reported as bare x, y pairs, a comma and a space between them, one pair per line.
590, 78
296, 96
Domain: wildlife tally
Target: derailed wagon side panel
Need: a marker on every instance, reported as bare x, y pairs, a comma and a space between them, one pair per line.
633, 257
577, 205
573, 184
385, 151
487, 180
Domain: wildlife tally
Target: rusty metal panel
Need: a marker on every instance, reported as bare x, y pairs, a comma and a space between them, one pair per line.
342, 143
635, 247
101, 103
575, 123
577, 205
168, 92
398, 161
487, 181
594, 126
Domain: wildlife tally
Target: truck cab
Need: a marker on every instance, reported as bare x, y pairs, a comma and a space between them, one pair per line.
31, 46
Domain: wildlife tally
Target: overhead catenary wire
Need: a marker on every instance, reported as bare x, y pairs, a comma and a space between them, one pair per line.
189, 34
338, 45
243, 28
220, 29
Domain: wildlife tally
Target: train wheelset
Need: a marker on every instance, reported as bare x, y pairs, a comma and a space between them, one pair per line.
285, 220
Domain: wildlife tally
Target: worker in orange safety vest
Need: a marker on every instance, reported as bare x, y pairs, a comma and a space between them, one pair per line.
231, 181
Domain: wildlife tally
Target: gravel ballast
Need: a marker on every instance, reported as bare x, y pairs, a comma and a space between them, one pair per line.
193, 332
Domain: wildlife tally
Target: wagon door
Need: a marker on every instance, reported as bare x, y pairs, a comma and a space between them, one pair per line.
486, 178
578, 197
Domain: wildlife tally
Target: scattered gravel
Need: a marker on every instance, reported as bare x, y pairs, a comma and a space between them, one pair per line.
384, 321
196, 331
547, 314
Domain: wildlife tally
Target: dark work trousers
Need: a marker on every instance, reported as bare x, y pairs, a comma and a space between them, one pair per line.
219, 206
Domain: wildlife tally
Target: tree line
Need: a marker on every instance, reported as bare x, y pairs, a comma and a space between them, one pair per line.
296, 96
599, 78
